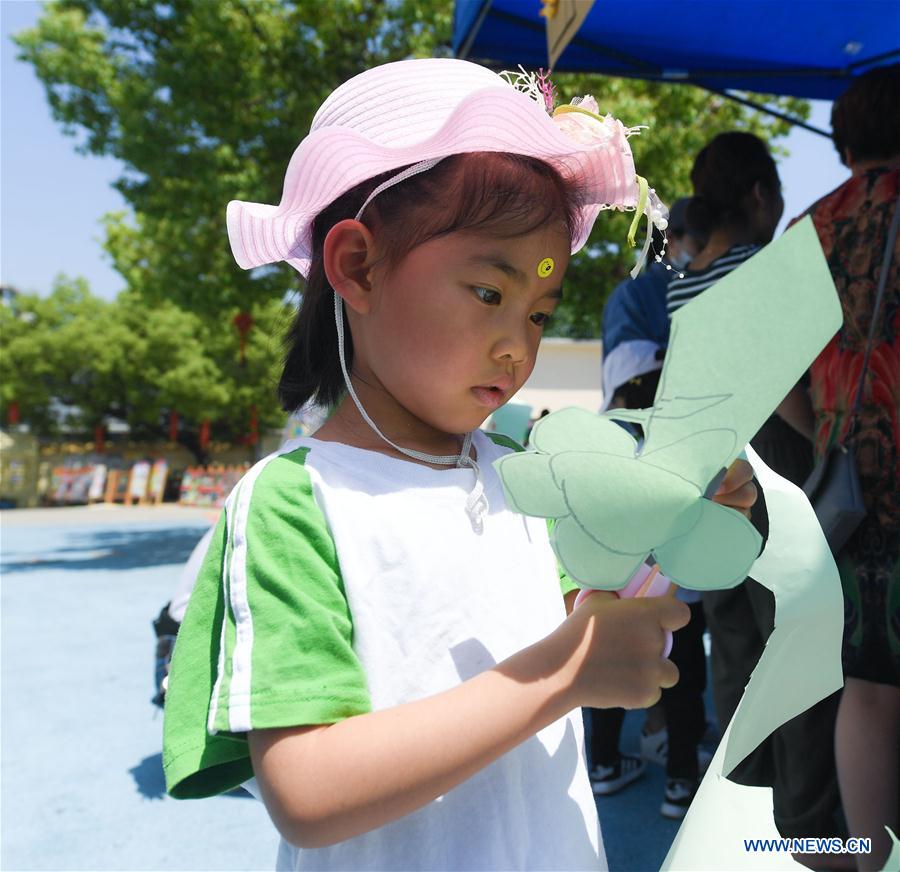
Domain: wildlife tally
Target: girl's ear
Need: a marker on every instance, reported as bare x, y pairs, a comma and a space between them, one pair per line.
348, 253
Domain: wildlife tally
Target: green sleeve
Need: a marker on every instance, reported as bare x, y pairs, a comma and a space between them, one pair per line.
267, 640
566, 585
195, 763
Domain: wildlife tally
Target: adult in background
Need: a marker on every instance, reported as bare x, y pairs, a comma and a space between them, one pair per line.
635, 323
853, 225
737, 203
635, 332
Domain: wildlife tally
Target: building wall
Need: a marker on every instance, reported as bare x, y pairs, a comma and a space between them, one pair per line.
568, 372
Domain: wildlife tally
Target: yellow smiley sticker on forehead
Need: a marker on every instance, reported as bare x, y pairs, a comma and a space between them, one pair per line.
545, 267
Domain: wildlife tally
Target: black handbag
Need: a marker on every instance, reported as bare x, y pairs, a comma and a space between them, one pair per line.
834, 490
833, 487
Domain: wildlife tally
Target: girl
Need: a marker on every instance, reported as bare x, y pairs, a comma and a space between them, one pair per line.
375, 636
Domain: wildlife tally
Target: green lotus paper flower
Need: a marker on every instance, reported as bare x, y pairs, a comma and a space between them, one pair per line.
614, 506
734, 353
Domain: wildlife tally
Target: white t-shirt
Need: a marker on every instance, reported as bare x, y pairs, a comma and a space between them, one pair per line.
421, 602
188, 577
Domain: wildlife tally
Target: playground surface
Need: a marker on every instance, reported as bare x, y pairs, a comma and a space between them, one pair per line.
82, 782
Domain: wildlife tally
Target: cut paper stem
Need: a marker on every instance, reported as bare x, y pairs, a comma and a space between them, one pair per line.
642, 590
801, 664
734, 353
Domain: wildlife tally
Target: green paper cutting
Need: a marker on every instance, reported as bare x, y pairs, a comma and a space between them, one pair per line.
892, 864
734, 353
801, 664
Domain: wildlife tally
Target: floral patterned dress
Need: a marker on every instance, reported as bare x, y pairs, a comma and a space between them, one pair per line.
853, 223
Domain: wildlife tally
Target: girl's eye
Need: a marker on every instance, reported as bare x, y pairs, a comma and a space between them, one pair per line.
487, 295
540, 318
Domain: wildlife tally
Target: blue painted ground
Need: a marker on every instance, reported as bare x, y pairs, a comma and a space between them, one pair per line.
82, 783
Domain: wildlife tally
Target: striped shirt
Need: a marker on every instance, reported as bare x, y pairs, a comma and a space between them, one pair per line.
683, 290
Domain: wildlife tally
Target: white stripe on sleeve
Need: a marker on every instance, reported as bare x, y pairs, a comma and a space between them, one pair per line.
239, 716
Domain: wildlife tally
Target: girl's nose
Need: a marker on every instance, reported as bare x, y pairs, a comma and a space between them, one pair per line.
512, 346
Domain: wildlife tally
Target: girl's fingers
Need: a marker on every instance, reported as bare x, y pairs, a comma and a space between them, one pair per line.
585, 592
737, 490
673, 613
738, 474
668, 674
742, 497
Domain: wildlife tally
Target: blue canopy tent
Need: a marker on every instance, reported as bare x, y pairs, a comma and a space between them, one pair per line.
801, 48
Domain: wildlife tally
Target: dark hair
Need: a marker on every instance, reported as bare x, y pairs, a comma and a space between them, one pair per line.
723, 174
866, 117
499, 194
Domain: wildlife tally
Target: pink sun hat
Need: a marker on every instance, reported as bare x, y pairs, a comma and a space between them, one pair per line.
409, 111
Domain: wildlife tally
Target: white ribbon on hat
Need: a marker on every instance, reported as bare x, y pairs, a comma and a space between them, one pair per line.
476, 503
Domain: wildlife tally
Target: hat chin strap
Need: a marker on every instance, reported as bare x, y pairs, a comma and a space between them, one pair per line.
476, 502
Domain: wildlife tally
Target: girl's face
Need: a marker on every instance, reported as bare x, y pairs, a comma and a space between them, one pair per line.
452, 331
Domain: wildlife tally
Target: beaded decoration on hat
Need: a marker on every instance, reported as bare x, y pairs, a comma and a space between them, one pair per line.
581, 121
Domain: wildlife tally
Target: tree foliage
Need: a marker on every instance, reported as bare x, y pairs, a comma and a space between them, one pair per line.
204, 102
71, 361
680, 120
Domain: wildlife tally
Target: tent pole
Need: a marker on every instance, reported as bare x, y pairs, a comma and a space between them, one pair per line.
760, 107
464, 49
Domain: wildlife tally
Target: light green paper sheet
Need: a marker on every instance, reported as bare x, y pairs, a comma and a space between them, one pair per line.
800, 665
737, 349
734, 353
892, 864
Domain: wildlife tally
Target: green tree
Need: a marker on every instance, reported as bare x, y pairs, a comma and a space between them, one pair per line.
71, 362
192, 364
61, 357
680, 120
204, 102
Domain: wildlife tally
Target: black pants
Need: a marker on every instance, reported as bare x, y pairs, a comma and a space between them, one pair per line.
797, 760
683, 705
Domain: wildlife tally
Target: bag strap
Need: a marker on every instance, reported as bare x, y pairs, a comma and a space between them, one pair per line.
882, 281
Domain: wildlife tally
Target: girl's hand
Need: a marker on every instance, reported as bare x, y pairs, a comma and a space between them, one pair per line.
615, 649
737, 490
324, 784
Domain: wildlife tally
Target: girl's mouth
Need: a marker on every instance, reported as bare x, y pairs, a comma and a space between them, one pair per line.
490, 396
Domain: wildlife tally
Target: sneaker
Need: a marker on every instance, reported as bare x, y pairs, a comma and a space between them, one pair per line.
655, 746
611, 779
678, 796
704, 758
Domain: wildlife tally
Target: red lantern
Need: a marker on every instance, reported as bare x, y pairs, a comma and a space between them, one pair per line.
99, 438
243, 321
12, 414
253, 438
173, 426
204, 435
